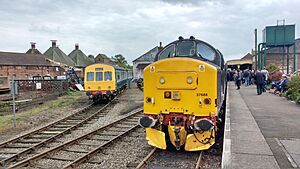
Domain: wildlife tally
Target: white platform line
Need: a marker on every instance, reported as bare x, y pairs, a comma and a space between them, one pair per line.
226, 154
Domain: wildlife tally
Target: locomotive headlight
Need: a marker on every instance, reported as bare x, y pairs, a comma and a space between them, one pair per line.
189, 80
162, 80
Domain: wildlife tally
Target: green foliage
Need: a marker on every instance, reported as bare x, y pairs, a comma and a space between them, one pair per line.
273, 68
121, 61
293, 91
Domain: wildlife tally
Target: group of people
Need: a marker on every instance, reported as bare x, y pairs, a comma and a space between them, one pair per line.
240, 77
260, 78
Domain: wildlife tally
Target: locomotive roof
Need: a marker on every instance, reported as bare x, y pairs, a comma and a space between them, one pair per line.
195, 40
198, 50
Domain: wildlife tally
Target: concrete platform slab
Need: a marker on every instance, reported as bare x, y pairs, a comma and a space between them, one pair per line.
250, 161
247, 146
296, 158
292, 146
247, 135
250, 147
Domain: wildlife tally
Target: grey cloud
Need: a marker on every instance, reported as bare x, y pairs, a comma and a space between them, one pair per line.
132, 27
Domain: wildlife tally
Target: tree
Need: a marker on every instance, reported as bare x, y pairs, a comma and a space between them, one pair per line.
121, 61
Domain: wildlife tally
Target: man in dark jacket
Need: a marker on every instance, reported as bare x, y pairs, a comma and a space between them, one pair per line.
259, 79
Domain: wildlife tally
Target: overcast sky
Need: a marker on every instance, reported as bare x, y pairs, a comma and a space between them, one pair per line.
132, 27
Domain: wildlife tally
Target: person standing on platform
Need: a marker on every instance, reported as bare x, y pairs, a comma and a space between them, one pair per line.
266, 74
246, 76
238, 79
259, 80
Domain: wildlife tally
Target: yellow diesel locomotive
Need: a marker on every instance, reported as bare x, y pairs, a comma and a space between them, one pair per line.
104, 82
183, 95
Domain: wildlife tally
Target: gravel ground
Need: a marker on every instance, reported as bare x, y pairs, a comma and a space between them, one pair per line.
124, 153
129, 100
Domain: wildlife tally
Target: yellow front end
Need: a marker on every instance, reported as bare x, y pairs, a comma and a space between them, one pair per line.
97, 80
177, 92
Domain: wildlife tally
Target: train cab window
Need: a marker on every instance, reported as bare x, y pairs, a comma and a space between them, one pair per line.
186, 48
90, 76
205, 52
99, 76
167, 52
107, 76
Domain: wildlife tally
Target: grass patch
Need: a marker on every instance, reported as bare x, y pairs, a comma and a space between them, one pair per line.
6, 121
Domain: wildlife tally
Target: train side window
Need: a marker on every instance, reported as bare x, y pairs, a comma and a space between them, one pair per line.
167, 53
107, 76
205, 52
118, 76
90, 76
99, 76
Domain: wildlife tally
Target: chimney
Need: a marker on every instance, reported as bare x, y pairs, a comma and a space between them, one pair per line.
160, 46
53, 43
76, 46
32, 45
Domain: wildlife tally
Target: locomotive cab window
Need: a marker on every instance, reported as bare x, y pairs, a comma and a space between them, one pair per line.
186, 48
90, 76
167, 52
99, 76
205, 52
107, 76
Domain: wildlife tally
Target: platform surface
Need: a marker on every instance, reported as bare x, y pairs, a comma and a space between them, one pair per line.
262, 131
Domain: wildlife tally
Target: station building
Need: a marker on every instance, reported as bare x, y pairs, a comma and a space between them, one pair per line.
242, 64
144, 60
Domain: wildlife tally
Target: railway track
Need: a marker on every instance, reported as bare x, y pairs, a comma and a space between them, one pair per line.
19, 148
157, 158
79, 150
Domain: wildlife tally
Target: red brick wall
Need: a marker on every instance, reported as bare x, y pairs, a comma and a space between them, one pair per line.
26, 72
277, 60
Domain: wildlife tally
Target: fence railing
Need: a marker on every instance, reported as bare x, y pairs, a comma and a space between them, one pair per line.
47, 86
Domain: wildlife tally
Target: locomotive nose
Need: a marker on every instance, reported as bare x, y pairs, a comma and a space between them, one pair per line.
147, 121
204, 124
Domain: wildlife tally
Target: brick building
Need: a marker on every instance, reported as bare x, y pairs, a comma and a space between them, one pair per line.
25, 66
102, 58
278, 56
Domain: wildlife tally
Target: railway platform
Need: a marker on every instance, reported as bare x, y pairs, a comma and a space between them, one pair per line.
261, 131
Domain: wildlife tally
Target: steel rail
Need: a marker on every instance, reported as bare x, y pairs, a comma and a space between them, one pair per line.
198, 163
44, 127
72, 142
90, 154
42, 143
144, 162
